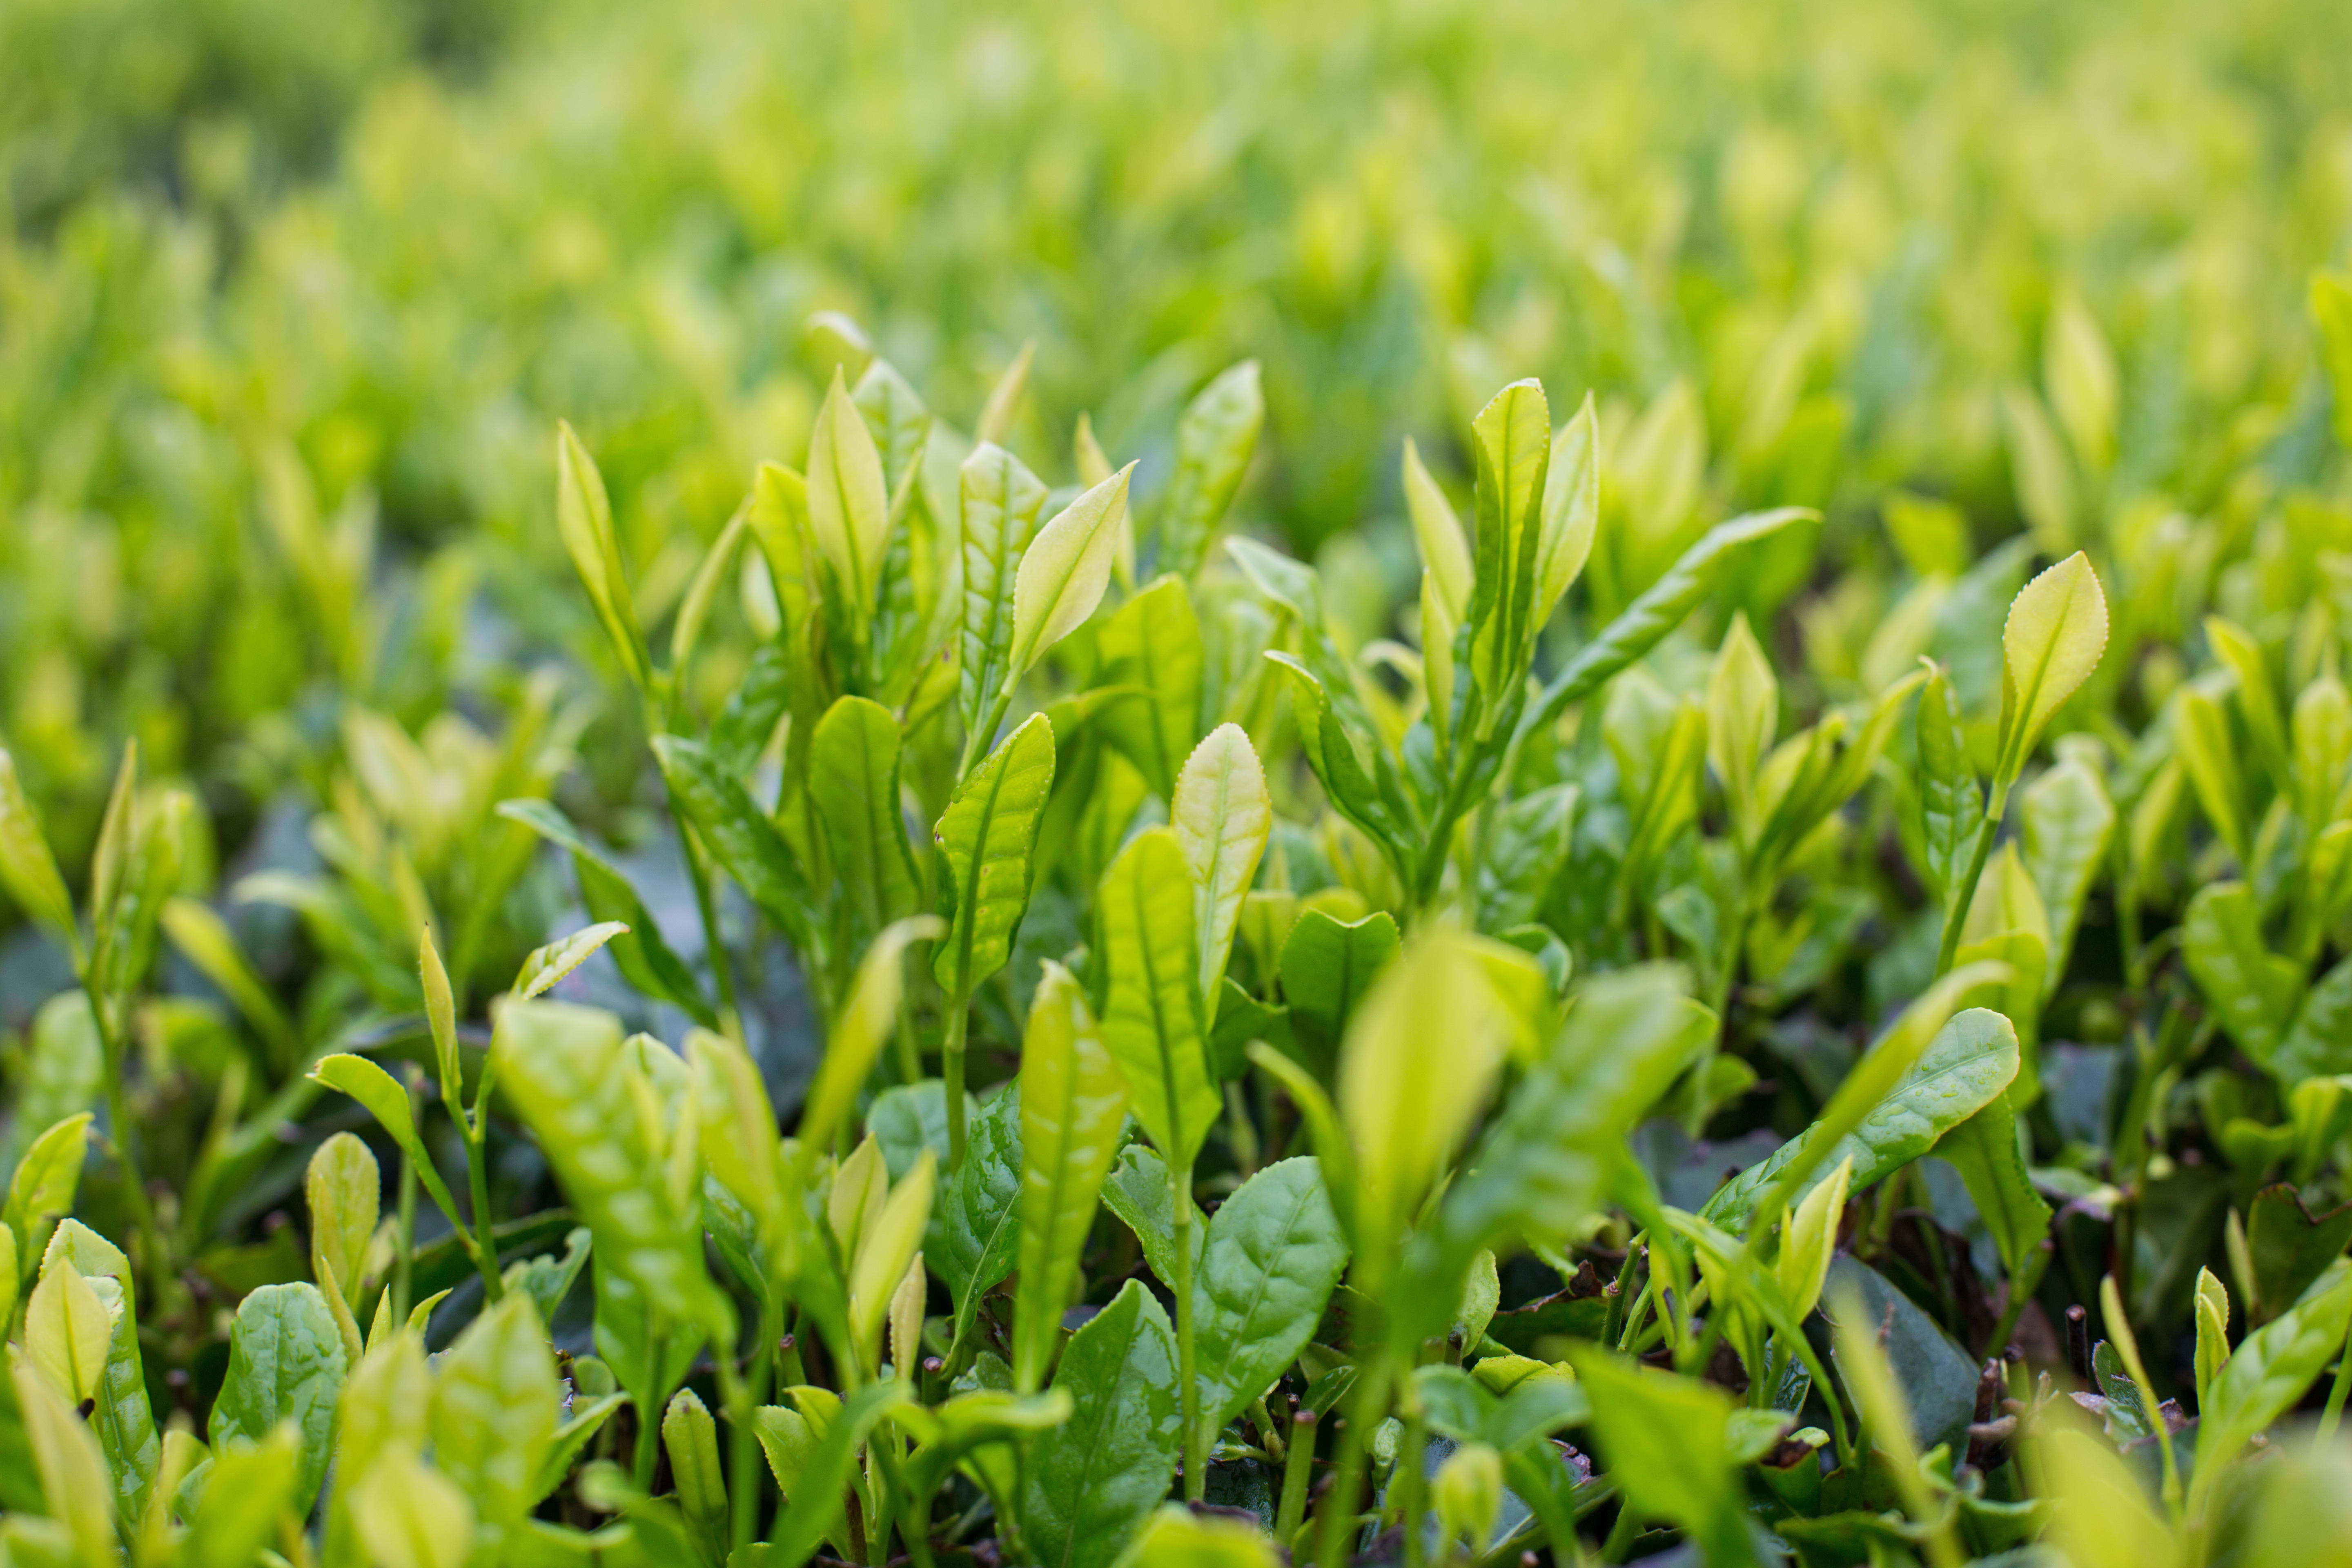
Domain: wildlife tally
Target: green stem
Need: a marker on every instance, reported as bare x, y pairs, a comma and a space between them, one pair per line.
951, 1068
731, 1018
744, 1464
1336, 1518
1196, 1443
477, 1183
1298, 1471
1409, 1483
2336, 1392
1965, 892
404, 1281
119, 1130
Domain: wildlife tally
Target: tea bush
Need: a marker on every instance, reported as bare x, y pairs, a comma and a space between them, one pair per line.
854, 785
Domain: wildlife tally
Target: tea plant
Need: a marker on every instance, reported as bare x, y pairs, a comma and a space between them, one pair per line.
1453, 973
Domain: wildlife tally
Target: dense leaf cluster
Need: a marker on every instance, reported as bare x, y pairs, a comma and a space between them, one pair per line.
902, 948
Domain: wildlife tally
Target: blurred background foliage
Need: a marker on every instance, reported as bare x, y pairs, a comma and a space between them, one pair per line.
292, 295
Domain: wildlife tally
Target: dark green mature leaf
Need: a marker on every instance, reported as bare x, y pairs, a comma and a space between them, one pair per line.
739, 835
2267, 1373
1273, 1255
1984, 1149
494, 1409
2320, 1042
1003, 501
2289, 1245
2253, 990
854, 779
1153, 1023
975, 1228
987, 839
646, 962
1213, 441
1138, 1193
285, 1363
1090, 1484
566, 1072
1327, 966
1664, 1441
1969, 1063
1937, 1379
907, 1118
1152, 643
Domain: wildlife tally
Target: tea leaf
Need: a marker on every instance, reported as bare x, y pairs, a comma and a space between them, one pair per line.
854, 779
1063, 572
1072, 1103
1152, 643
848, 504
493, 1405
987, 839
1273, 1255
584, 515
1220, 815
1003, 501
1213, 441
1089, 1484
1153, 1024
2057, 627
285, 1364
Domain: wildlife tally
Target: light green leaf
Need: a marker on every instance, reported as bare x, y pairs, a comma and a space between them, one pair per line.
566, 1073
1154, 1024
1743, 714
1406, 1107
848, 503
1003, 501
1809, 1240
584, 515
987, 839
63, 1071
1665, 1439
1511, 439
1444, 554
813, 1505
1064, 571
407, 1515
2057, 627
1544, 1164
344, 1189
1222, 816
67, 1458
1214, 442
862, 1027
494, 1406
27, 867
2065, 819
2268, 1372
548, 964
41, 1191
1152, 643
1571, 507
1073, 1104
66, 1329
854, 779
